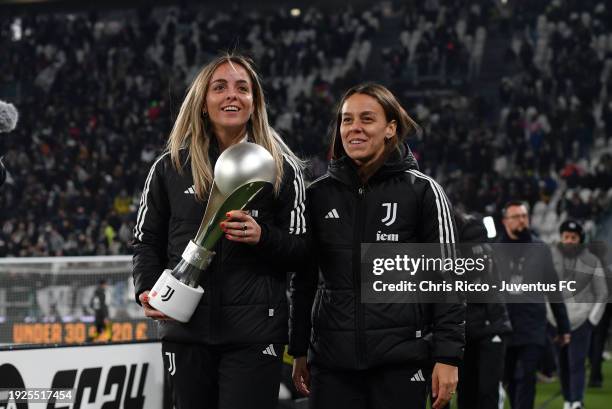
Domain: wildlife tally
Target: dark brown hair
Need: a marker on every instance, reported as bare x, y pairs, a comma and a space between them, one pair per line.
514, 202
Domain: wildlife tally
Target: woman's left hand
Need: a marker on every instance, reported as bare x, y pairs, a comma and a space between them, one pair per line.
444, 381
241, 227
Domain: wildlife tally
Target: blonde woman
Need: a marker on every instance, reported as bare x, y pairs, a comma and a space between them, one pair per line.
229, 354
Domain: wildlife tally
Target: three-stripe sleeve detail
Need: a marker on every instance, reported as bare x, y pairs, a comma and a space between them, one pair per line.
445, 218
297, 223
144, 206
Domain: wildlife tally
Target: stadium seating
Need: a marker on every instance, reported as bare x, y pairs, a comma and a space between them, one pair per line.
97, 94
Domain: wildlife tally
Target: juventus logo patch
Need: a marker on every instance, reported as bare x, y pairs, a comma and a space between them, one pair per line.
389, 219
171, 362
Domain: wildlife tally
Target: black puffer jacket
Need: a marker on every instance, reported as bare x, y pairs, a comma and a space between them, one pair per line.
244, 297
349, 334
533, 259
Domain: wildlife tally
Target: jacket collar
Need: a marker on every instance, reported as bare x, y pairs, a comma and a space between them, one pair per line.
529, 238
400, 160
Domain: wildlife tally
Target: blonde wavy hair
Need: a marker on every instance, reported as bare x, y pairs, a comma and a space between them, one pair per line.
193, 130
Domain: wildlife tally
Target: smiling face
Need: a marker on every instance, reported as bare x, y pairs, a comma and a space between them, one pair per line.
229, 99
363, 129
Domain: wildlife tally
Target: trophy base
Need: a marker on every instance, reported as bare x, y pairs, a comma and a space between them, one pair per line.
173, 298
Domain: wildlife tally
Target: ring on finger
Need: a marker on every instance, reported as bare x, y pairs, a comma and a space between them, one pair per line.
244, 233
244, 226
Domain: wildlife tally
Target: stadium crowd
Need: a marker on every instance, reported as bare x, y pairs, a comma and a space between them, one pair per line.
549, 141
439, 41
98, 98
99, 94
556, 109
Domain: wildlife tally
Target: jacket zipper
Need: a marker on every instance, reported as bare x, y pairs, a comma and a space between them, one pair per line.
213, 284
357, 236
270, 284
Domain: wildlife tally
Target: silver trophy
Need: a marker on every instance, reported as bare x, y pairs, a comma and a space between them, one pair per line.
241, 171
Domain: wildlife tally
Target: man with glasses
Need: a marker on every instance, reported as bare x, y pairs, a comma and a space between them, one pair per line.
528, 260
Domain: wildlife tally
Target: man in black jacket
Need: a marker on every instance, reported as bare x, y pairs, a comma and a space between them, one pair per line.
530, 258
487, 325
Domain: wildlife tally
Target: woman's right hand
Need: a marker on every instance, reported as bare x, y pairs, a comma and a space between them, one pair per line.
149, 310
301, 375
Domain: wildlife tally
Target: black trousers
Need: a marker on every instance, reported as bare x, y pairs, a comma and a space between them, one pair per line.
598, 344
223, 377
520, 374
481, 373
572, 358
100, 323
386, 387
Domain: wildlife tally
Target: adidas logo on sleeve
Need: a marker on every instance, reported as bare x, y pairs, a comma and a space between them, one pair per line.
418, 377
332, 214
269, 350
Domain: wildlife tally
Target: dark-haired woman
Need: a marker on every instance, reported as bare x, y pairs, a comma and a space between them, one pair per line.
371, 355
